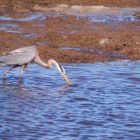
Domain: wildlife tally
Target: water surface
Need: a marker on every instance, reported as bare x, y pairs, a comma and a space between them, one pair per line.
103, 102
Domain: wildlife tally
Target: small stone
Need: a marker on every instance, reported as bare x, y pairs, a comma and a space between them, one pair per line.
138, 43
104, 41
65, 37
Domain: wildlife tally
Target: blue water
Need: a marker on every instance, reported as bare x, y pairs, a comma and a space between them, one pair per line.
102, 103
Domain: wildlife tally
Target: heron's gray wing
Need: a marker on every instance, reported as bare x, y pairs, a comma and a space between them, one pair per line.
29, 49
17, 58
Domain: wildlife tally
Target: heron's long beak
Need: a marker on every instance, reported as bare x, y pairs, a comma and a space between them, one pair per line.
65, 78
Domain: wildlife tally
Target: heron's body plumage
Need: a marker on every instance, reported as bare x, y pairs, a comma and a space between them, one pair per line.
19, 56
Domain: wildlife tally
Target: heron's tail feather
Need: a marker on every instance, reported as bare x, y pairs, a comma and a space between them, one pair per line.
2, 64
1, 61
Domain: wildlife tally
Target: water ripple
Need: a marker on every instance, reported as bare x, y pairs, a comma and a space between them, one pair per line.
103, 102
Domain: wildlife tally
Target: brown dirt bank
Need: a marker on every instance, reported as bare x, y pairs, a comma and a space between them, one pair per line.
67, 39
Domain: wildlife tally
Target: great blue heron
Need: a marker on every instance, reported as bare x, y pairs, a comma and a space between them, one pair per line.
24, 56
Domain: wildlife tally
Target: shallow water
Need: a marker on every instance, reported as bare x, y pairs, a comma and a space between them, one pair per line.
103, 102
104, 14
95, 13
92, 13
14, 23
103, 53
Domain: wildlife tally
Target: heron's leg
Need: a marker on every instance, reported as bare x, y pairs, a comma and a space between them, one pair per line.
8, 71
22, 71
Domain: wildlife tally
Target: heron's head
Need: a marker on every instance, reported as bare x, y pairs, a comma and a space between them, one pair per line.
60, 69
62, 72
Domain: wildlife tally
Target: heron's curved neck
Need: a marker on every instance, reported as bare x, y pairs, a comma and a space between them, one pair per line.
40, 62
58, 66
47, 65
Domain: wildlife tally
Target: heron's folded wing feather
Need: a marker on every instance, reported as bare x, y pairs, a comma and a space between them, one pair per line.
17, 58
29, 49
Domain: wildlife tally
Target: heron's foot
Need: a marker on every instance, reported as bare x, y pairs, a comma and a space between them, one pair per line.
4, 76
20, 79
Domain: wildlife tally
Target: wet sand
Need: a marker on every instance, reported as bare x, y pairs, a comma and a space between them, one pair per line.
69, 38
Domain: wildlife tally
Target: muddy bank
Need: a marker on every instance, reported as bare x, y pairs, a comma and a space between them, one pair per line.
69, 38
14, 6
27, 4
100, 41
